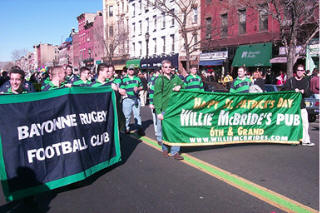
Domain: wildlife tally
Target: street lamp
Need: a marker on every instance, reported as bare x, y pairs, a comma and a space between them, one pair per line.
89, 51
147, 36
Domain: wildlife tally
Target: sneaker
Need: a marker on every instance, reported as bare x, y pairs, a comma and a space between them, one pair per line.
159, 143
177, 156
308, 144
165, 153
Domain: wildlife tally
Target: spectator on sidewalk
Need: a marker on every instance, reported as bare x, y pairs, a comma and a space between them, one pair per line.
300, 84
258, 81
314, 82
164, 86
282, 78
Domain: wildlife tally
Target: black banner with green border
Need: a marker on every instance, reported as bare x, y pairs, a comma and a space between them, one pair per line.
204, 118
54, 138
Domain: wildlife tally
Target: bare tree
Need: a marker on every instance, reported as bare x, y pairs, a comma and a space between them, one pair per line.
298, 21
7, 66
188, 34
17, 54
114, 42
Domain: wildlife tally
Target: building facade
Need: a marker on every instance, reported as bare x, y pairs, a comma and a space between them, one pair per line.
45, 55
192, 14
85, 39
115, 18
226, 25
153, 35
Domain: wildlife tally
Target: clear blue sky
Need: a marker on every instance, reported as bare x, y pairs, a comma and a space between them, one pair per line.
25, 23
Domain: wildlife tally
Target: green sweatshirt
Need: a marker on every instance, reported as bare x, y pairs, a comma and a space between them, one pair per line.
162, 91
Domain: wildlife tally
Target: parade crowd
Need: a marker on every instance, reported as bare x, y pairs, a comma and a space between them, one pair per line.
135, 89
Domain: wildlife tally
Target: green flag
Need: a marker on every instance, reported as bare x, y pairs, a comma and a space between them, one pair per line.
204, 118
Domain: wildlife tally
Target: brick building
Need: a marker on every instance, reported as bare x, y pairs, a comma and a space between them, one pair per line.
225, 27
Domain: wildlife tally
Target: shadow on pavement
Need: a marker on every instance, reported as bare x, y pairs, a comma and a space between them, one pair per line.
127, 145
204, 148
40, 202
33, 203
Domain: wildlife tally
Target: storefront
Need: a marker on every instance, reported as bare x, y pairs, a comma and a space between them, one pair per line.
89, 62
119, 63
279, 62
312, 55
214, 63
253, 55
194, 60
154, 63
134, 62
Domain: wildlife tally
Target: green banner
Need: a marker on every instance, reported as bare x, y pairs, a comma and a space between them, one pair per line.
203, 118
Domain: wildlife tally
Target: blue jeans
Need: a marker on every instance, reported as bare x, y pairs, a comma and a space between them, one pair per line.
174, 149
128, 106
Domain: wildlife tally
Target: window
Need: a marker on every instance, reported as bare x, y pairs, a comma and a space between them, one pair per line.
172, 42
195, 37
140, 7
134, 48
133, 9
242, 21
172, 19
208, 27
146, 8
111, 31
140, 27
155, 45
163, 44
155, 23
163, 20
140, 48
134, 29
224, 25
147, 22
263, 17
110, 11
195, 15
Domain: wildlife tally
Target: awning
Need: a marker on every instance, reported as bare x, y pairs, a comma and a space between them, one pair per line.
119, 66
146, 63
135, 62
278, 60
253, 55
315, 61
211, 63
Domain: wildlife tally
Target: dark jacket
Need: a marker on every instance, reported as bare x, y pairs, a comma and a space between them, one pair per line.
293, 83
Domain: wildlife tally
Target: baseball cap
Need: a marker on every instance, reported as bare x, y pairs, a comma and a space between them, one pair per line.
131, 67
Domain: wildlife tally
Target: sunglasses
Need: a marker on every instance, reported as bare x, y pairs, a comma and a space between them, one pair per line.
301, 70
167, 67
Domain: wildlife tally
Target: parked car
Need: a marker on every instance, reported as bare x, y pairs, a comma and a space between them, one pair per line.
312, 106
312, 103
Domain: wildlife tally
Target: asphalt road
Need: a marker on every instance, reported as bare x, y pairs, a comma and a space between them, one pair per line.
147, 182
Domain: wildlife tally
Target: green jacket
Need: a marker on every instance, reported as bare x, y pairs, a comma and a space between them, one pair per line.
162, 91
